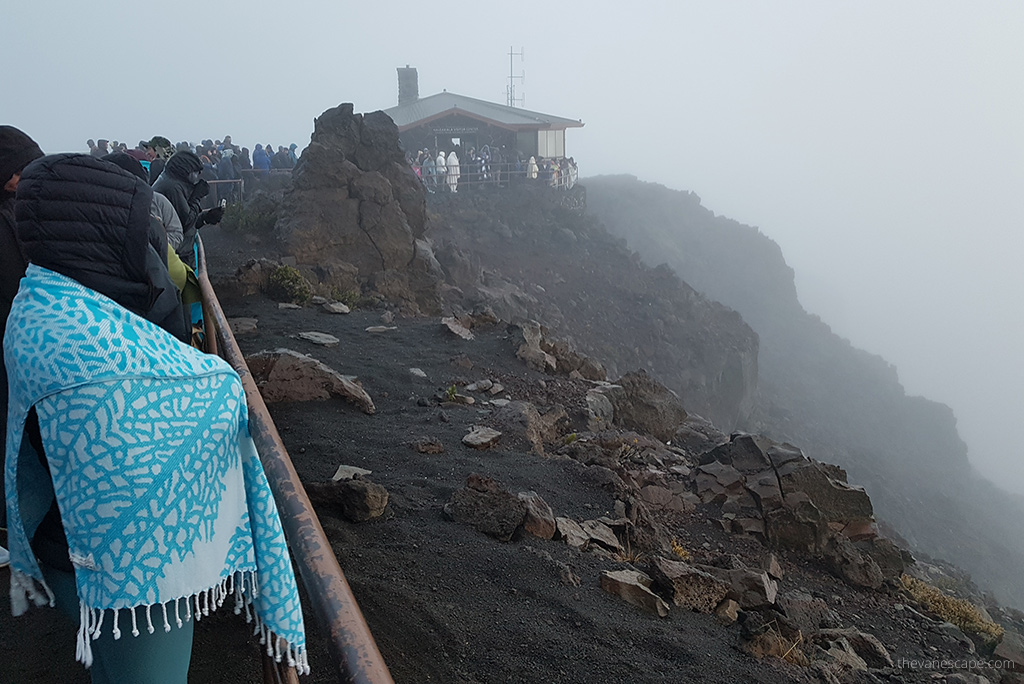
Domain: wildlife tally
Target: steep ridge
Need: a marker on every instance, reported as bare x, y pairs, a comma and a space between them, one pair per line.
840, 403
519, 252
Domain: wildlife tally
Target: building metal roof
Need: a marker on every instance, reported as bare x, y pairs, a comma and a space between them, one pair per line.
436, 106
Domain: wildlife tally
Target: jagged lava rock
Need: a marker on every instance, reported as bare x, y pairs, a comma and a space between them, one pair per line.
287, 375
690, 587
354, 202
643, 404
487, 507
634, 587
539, 520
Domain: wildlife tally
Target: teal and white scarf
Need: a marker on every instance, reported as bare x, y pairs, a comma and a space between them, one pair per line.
162, 495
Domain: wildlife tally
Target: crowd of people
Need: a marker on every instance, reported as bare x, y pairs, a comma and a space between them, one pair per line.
222, 160
134, 496
489, 166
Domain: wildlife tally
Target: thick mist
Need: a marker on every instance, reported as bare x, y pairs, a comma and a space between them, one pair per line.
880, 145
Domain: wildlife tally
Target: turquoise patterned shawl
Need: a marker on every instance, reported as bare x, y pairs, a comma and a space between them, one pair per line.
162, 495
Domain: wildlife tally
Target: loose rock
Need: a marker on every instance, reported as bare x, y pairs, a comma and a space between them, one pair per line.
487, 507
336, 308
481, 437
323, 339
539, 521
634, 587
287, 375
347, 472
243, 327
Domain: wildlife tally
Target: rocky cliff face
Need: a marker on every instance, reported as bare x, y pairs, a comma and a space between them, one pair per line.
356, 213
815, 389
519, 253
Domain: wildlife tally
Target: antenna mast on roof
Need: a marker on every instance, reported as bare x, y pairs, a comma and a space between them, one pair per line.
510, 91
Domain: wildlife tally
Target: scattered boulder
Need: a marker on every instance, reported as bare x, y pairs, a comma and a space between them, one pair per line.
689, 587
571, 532
867, 647
1011, 648
347, 472
377, 329
490, 509
427, 445
643, 404
851, 565
540, 520
418, 373
523, 424
728, 611
809, 614
634, 587
243, 327
750, 588
481, 437
287, 375
530, 350
599, 533
323, 339
697, 436
770, 564
356, 500
453, 325
336, 308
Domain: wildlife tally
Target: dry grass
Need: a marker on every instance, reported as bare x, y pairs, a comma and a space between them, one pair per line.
680, 550
958, 611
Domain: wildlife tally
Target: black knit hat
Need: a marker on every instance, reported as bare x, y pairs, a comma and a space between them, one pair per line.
16, 151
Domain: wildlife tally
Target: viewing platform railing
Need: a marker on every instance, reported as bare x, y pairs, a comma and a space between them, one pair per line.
352, 648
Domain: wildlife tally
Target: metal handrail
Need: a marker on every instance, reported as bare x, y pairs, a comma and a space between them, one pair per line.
352, 647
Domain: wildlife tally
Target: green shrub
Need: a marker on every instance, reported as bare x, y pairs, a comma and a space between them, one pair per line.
288, 284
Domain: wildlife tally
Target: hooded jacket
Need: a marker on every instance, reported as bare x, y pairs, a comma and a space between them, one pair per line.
185, 197
90, 220
260, 159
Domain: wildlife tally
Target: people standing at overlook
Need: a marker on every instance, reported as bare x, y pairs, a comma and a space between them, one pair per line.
452, 169
181, 183
260, 160
531, 168
440, 168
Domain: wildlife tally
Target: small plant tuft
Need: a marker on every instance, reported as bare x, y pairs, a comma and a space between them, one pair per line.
451, 392
679, 550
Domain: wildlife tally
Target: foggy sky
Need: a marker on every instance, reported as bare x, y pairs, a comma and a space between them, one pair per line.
880, 144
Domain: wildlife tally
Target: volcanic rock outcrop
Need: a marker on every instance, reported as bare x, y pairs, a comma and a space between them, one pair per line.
355, 215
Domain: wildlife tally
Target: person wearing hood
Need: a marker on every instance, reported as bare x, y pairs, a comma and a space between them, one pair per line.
104, 460
452, 166
440, 168
292, 155
158, 149
180, 182
260, 160
532, 169
16, 151
226, 172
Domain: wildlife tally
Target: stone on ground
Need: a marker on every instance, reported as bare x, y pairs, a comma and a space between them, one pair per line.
287, 375
634, 587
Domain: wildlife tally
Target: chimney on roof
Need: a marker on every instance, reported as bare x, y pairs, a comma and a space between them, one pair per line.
408, 85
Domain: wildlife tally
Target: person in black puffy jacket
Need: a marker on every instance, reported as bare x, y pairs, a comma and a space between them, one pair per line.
88, 219
180, 183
